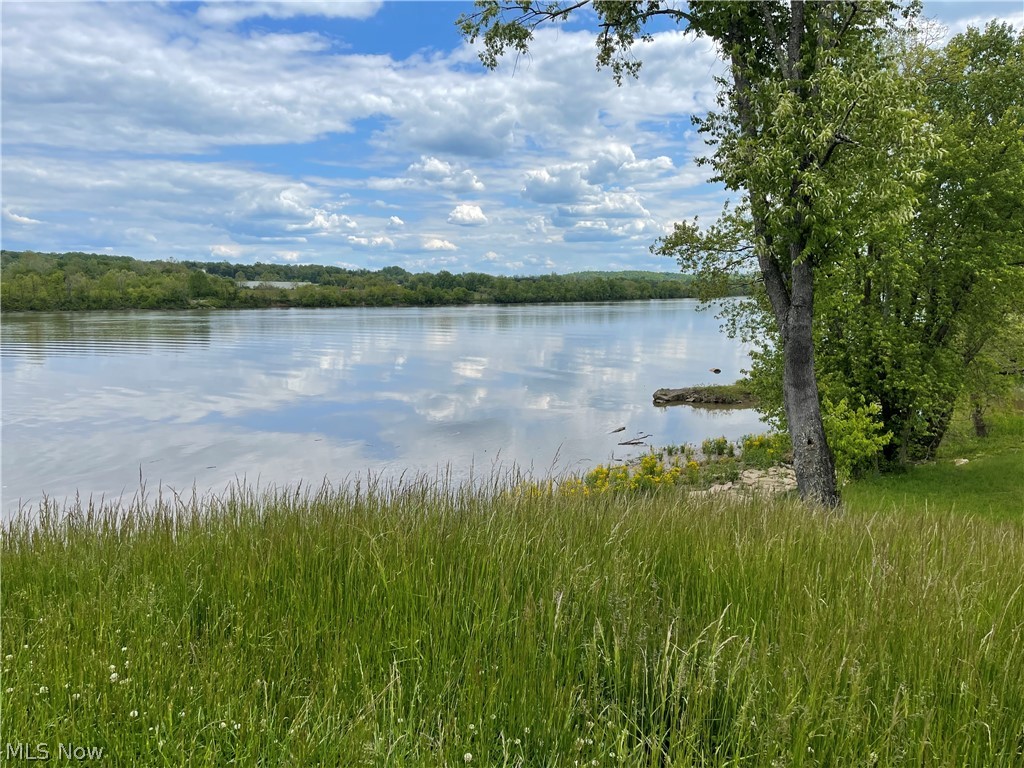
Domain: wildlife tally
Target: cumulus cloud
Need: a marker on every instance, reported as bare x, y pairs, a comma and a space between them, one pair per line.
606, 205
467, 216
558, 184
445, 176
115, 107
438, 244
226, 251
323, 221
429, 173
357, 241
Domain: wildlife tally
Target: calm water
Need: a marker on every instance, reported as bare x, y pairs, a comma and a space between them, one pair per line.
277, 396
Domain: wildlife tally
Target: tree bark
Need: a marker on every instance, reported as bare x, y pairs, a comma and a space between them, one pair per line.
812, 458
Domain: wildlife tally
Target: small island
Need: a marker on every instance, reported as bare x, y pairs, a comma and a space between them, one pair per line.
735, 395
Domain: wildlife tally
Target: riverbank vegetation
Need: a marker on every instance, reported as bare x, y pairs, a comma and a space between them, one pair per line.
79, 281
431, 624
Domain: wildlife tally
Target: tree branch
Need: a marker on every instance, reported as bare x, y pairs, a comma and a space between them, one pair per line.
796, 38
773, 36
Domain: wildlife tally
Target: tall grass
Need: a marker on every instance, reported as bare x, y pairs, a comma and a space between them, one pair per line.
428, 625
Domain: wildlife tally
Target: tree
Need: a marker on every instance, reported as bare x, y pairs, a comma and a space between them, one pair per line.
901, 321
808, 112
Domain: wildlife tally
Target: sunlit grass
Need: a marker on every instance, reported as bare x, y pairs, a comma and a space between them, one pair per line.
990, 484
428, 625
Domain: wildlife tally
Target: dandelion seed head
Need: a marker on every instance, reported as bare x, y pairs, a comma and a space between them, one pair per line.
133, 713
468, 757
43, 689
114, 677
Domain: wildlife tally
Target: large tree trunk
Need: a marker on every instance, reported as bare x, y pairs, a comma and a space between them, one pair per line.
812, 459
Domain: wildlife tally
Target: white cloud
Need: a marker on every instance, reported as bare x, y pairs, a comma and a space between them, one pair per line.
131, 127
324, 222
17, 219
445, 176
228, 12
608, 204
226, 251
370, 242
467, 216
438, 244
558, 184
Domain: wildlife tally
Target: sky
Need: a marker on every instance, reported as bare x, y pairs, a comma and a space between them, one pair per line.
354, 133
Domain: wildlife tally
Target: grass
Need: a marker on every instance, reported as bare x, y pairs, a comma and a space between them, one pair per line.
428, 625
989, 485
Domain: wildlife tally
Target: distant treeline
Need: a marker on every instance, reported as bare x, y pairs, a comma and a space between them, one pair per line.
77, 281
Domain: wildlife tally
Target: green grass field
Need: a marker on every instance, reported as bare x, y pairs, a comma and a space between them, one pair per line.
427, 625
990, 485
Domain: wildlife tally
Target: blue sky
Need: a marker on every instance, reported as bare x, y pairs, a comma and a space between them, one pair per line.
361, 134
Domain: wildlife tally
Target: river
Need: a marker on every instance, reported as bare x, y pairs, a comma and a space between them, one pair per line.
93, 401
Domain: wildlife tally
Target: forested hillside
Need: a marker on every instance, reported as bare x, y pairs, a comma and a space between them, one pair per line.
79, 281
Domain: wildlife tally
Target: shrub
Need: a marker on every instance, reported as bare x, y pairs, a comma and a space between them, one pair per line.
766, 450
855, 437
717, 446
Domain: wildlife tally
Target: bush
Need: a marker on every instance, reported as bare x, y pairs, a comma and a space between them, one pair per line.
855, 437
766, 450
717, 446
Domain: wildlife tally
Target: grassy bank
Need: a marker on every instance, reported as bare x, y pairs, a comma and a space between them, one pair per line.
425, 626
989, 484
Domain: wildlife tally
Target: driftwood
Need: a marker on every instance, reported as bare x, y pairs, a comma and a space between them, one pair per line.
638, 440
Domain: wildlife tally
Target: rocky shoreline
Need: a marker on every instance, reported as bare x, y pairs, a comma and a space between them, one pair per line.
736, 395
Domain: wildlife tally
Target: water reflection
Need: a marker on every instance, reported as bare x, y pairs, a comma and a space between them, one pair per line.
284, 395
